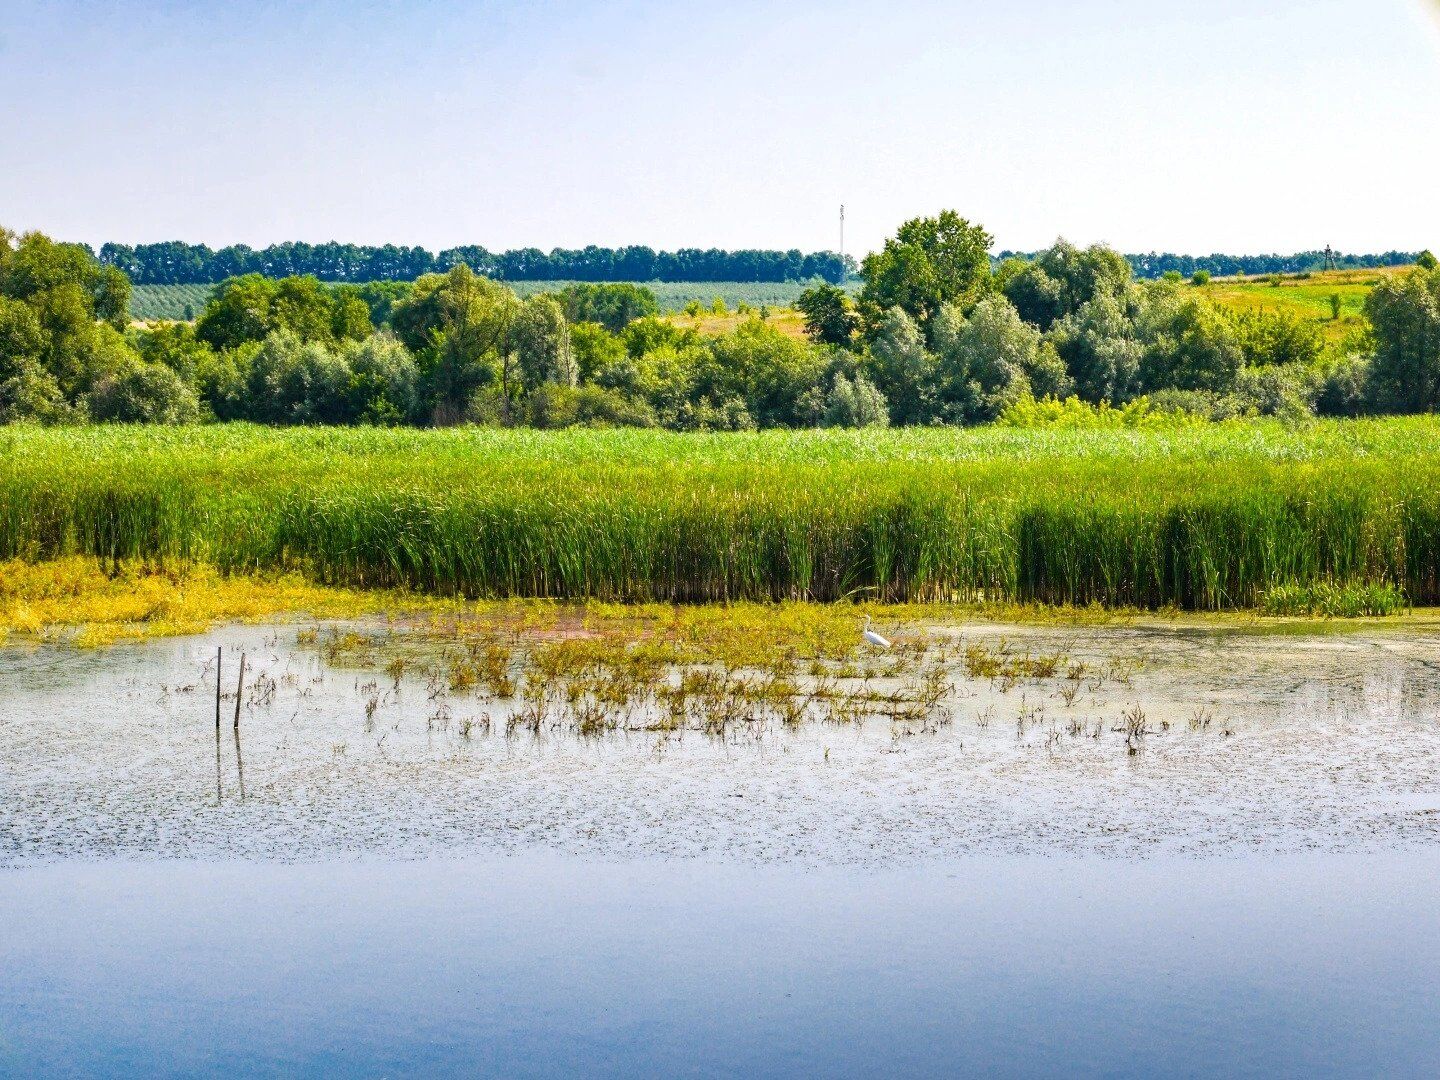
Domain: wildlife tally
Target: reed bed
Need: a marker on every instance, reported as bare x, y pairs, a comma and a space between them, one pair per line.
1213, 517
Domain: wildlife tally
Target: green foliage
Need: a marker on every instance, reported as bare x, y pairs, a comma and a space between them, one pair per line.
1329, 599
928, 263
1427, 261
1276, 337
1062, 279
1404, 313
994, 358
830, 318
555, 406
903, 368
252, 307
1199, 516
1071, 412
1101, 349
595, 349
141, 393
613, 305
384, 381
855, 404
1188, 343
62, 355
1200, 278
762, 368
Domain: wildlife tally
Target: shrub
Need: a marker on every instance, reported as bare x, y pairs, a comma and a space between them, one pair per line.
383, 380
1027, 412
1200, 278
555, 406
855, 404
141, 393
31, 393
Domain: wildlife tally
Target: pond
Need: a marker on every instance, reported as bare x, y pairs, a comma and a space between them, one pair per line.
1020, 881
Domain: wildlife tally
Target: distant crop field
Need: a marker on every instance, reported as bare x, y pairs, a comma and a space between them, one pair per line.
150, 302
153, 302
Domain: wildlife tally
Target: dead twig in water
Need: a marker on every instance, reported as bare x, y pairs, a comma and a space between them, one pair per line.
239, 693
218, 790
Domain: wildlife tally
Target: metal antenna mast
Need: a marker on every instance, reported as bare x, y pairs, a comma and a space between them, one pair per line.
842, 234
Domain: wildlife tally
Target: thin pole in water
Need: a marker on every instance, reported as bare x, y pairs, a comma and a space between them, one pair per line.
219, 794
239, 691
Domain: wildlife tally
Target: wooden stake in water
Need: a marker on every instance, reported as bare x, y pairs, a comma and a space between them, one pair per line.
218, 792
239, 691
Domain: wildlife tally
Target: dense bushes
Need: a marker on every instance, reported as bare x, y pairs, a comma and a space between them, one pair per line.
939, 335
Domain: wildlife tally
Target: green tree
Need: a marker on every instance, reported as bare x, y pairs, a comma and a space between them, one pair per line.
1427, 260
251, 307
614, 305
540, 339
595, 349
991, 359
1063, 278
462, 330
384, 380
830, 318
1188, 343
903, 369
929, 262
761, 367
1101, 350
1404, 314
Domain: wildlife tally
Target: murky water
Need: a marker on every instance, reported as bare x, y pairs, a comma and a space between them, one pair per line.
1254, 890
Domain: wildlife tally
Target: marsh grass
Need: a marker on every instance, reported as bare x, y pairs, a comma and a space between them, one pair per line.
1200, 519
734, 672
1327, 599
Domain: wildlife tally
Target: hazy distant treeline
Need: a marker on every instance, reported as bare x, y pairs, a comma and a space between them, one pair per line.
177, 263
1157, 265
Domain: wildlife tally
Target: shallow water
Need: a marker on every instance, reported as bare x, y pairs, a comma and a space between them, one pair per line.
1332, 746
1309, 965
1259, 895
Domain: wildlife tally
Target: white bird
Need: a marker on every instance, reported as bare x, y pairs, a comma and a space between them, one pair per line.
872, 637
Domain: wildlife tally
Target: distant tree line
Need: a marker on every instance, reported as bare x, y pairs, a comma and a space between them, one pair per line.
939, 334
1157, 265
177, 263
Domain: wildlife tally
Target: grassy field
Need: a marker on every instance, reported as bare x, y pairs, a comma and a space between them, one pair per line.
1307, 296
159, 302
1218, 517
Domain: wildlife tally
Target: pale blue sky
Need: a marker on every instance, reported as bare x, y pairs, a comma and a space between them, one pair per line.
1232, 125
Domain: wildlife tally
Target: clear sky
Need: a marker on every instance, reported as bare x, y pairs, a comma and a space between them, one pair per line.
1230, 125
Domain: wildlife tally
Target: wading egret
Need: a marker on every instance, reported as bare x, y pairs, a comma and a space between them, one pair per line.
872, 637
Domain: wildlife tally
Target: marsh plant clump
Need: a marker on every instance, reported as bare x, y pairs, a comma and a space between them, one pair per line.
598, 669
1339, 517
728, 672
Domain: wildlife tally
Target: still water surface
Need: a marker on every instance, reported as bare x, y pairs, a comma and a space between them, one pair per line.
546, 966
1260, 897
